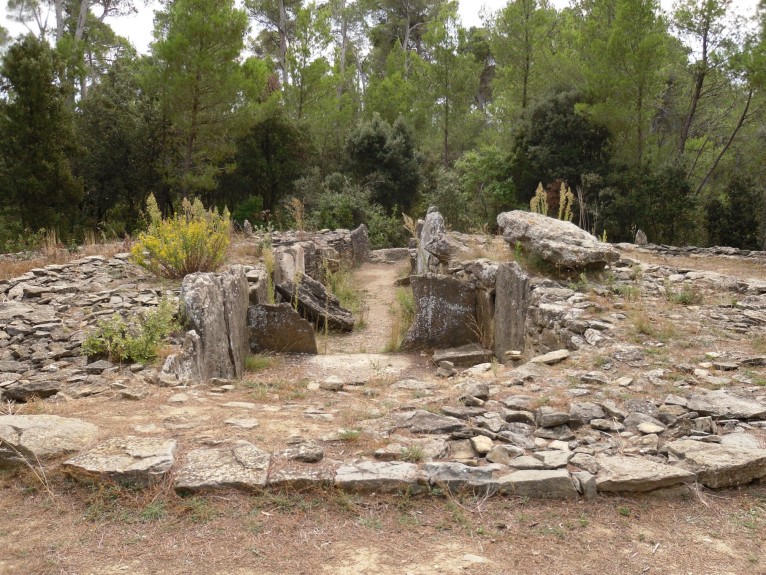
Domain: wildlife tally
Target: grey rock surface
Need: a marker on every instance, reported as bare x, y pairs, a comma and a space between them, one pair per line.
445, 313
280, 328
241, 465
126, 460
511, 304
719, 466
558, 242
637, 474
31, 438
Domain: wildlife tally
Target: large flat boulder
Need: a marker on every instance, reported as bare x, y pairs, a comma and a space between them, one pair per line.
539, 484
279, 327
455, 476
722, 403
34, 438
127, 460
445, 313
559, 243
380, 477
637, 474
241, 465
719, 465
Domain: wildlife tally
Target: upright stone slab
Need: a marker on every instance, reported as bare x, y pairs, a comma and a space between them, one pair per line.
432, 228
445, 313
216, 306
360, 244
278, 327
511, 304
560, 243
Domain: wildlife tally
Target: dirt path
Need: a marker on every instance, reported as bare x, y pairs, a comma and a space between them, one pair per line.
377, 283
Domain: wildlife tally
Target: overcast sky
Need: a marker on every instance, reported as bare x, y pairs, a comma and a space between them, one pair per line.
138, 27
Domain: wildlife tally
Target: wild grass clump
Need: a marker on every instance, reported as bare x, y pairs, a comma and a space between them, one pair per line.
341, 284
404, 315
194, 240
137, 341
688, 295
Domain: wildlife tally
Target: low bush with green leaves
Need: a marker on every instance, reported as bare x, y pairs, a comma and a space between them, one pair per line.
194, 240
137, 341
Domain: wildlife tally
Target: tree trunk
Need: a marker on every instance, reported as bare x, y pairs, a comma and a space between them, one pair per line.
343, 50
59, 7
696, 93
740, 123
283, 42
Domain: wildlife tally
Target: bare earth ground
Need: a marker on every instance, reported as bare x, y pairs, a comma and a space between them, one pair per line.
51, 525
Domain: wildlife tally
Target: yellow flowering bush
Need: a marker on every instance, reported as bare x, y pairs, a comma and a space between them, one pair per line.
194, 240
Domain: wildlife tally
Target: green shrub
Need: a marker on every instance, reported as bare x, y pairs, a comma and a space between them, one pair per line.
194, 240
137, 341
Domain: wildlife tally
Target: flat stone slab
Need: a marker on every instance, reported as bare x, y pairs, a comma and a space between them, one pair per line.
459, 477
464, 356
544, 484
303, 477
722, 403
719, 465
31, 438
127, 460
637, 475
426, 422
241, 465
380, 477
552, 357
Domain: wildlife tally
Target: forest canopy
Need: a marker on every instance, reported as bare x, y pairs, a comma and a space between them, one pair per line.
361, 110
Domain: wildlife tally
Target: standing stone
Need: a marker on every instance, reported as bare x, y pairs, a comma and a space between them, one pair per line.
247, 228
560, 243
278, 327
216, 306
641, 239
445, 313
511, 303
433, 227
360, 244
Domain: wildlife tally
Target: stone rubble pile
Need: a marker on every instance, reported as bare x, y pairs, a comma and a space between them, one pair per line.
46, 314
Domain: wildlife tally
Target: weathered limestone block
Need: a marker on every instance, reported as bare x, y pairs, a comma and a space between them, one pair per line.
539, 484
317, 304
127, 460
511, 304
721, 403
216, 306
32, 438
381, 477
360, 244
278, 327
432, 227
560, 243
637, 474
241, 465
445, 313
719, 465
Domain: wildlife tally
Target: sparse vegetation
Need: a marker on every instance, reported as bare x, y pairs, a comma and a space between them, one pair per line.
139, 340
404, 315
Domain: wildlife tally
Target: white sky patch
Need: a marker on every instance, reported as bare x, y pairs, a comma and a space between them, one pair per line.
138, 27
